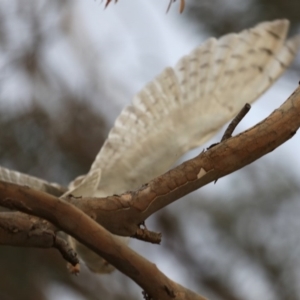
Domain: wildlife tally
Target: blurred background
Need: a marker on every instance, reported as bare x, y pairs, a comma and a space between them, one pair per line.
68, 67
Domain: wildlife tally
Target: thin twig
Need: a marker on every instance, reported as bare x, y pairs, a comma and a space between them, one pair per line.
147, 236
231, 127
181, 8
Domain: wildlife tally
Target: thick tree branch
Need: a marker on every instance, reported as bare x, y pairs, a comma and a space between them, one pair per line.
22, 230
75, 222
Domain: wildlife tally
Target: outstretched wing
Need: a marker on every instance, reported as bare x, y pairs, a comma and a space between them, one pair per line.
185, 106
33, 182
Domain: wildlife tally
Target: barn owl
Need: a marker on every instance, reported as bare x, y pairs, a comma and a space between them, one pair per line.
179, 110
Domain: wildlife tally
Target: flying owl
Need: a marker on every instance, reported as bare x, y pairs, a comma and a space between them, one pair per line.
179, 110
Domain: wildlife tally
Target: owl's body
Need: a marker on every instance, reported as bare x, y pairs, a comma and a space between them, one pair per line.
180, 110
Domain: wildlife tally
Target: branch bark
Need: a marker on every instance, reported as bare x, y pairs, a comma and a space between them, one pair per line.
125, 213
75, 222
23, 230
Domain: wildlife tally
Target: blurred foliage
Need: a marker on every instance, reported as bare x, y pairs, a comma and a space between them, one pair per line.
219, 17
33, 138
239, 247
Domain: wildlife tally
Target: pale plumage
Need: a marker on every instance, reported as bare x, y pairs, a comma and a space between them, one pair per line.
31, 181
182, 108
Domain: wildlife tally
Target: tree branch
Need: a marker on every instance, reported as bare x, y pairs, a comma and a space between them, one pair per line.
22, 230
75, 222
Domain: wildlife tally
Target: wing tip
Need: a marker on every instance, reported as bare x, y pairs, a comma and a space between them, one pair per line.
277, 28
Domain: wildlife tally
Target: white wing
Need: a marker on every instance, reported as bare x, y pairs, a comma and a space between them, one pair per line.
86, 185
33, 182
185, 106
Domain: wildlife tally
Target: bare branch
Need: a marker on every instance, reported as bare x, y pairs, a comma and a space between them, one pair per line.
235, 122
22, 230
147, 236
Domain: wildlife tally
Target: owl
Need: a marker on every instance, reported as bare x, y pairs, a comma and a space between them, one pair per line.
179, 110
